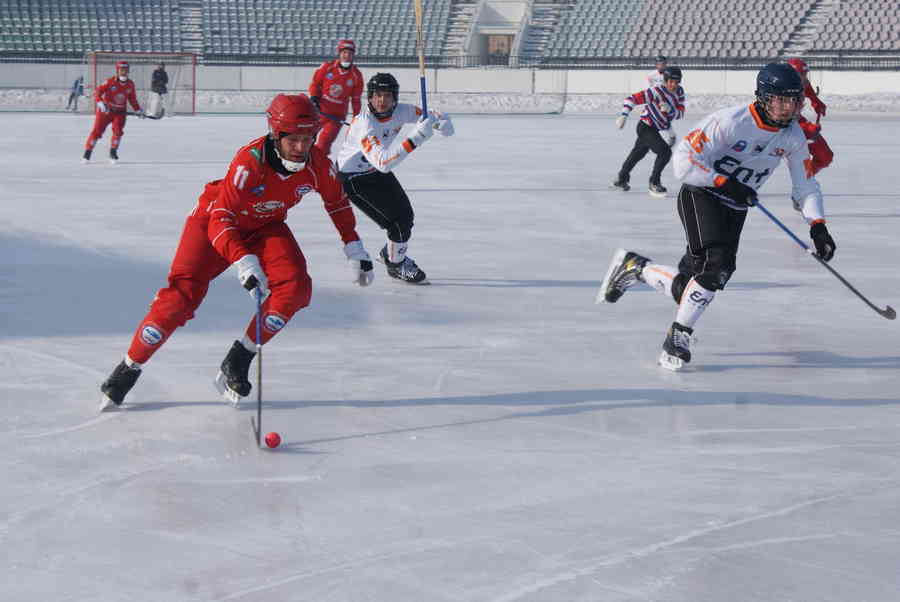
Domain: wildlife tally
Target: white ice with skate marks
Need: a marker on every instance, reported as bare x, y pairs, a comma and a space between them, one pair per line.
495, 436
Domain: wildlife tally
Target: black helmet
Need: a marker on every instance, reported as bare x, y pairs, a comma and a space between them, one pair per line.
382, 81
660, 58
672, 73
777, 79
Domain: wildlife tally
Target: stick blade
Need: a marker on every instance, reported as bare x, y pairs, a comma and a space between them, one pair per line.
888, 312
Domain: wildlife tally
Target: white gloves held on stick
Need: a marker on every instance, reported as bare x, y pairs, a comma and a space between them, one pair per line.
360, 263
424, 130
101, 106
252, 276
620, 120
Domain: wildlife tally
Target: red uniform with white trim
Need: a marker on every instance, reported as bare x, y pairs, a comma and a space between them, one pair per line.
242, 214
821, 153
115, 94
335, 86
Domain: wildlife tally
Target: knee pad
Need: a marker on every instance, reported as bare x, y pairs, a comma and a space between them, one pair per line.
713, 267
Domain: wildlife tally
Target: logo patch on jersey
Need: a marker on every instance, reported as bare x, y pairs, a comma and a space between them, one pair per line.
778, 152
274, 322
151, 335
758, 148
739, 146
120, 98
329, 75
268, 206
259, 190
301, 190
350, 83
335, 90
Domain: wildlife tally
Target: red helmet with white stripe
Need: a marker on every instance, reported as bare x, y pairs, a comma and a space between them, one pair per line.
292, 114
346, 45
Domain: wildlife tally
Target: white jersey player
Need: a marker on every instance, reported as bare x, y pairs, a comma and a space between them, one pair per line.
722, 164
656, 78
379, 139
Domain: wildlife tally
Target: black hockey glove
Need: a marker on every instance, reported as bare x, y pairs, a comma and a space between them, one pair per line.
315, 101
822, 239
738, 192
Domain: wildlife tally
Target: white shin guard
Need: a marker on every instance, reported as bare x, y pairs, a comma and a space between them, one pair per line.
694, 301
396, 251
659, 277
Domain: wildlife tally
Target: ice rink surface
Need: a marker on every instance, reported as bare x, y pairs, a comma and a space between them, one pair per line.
493, 437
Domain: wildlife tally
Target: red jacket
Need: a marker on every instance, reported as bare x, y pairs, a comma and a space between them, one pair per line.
114, 94
334, 86
253, 194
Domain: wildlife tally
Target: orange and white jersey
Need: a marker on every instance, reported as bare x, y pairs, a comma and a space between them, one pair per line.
735, 142
377, 144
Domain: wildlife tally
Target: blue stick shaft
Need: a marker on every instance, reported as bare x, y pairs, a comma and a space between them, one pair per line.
424, 97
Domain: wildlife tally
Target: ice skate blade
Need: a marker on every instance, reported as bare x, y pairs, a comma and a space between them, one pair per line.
227, 394
113, 162
659, 195
85, 161
671, 362
402, 281
107, 404
616, 260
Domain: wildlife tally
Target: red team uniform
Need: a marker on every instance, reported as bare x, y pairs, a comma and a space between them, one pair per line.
114, 94
244, 214
332, 86
821, 153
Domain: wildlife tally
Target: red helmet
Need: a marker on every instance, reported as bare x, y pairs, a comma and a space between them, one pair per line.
799, 65
121, 64
292, 114
346, 45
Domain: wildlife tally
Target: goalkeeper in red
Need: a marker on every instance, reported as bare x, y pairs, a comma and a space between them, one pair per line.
334, 84
240, 221
112, 98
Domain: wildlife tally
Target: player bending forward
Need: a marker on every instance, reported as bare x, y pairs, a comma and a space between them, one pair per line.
240, 221
373, 149
111, 97
722, 164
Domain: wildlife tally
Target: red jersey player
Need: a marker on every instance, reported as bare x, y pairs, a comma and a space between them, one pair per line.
240, 221
111, 97
333, 84
818, 148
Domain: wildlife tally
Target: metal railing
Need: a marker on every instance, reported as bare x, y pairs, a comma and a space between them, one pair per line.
837, 61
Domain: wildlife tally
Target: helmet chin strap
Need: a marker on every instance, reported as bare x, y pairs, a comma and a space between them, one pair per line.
291, 166
346, 65
123, 78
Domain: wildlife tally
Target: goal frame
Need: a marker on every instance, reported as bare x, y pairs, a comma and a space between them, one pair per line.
93, 65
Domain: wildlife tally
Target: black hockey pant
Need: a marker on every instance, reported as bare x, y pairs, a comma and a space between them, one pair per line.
382, 198
648, 139
713, 231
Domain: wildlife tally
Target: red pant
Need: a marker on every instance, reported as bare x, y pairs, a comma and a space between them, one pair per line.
197, 263
819, 150
328, 133
101, 120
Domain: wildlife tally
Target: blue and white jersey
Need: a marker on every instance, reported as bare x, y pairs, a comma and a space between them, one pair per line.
661, 107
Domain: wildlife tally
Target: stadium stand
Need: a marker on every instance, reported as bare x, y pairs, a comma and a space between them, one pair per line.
597, 28
61, 27
870, 25
312, 27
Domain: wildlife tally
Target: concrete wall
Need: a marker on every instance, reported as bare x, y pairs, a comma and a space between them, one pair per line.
487, 80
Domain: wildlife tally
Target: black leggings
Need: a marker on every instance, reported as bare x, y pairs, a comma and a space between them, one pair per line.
382, 198
648, 139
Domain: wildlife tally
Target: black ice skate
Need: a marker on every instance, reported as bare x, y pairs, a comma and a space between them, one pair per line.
232, 382
113, 156
621, 183
117, 386
656, 189
406, 270
676, 347
624, 271
86, 157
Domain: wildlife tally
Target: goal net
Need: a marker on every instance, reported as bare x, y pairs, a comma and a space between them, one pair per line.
180, 68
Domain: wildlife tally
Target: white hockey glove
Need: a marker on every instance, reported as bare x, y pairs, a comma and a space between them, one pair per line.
252, 276
620, 120
443, 125
101, 106
360, 263
424, 130
668, 135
